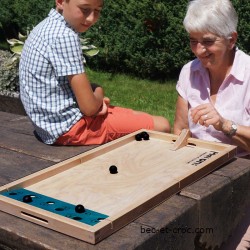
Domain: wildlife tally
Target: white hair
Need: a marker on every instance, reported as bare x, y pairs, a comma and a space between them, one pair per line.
215, 16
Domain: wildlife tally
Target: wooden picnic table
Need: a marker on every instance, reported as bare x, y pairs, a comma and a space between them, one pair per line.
201, 215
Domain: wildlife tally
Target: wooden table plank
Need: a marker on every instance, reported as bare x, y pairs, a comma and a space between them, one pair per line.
16, 133
11, 104
14, 165
17, 123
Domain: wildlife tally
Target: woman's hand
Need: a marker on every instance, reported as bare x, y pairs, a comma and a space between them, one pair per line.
206, 115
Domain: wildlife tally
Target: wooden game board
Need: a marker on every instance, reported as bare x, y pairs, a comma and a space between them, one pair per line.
149, 172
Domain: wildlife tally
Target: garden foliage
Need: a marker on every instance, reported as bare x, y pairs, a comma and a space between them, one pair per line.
19, 15
144, 38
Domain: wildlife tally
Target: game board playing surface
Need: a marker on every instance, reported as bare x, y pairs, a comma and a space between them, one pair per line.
96, 193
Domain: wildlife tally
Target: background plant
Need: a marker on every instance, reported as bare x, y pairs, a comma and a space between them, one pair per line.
143, 38
16, 47
19, 15
146, 38
9, 73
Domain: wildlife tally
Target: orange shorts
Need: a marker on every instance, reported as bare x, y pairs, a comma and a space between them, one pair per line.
101, 129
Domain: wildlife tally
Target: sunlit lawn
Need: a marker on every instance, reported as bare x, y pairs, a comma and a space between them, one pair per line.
144, 95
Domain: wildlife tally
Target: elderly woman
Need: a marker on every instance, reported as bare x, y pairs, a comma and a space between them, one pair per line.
214, 89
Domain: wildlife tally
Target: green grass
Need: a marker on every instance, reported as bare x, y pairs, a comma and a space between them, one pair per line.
149, 96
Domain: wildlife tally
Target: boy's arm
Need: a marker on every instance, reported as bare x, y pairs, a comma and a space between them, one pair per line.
88, 101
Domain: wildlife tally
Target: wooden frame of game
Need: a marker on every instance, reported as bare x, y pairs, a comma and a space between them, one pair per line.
95, 193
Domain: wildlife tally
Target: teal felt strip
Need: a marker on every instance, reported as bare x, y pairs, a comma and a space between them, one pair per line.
62, 208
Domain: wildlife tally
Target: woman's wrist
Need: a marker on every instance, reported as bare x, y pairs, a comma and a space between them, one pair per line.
229, 128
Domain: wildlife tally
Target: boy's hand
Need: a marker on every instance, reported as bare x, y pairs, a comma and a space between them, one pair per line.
104, 108
106, 100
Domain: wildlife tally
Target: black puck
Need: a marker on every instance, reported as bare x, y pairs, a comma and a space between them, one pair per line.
138, 137
145, 135
113, 169
27, 199
79, 208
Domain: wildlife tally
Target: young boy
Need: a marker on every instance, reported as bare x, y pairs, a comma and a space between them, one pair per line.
55, 90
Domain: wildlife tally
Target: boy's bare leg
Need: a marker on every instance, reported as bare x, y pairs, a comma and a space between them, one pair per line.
161, 124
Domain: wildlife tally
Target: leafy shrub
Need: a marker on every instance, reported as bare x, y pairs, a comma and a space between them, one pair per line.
147, 38
18, 15
243, 9
144, 38
8, 74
